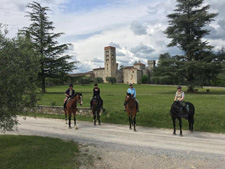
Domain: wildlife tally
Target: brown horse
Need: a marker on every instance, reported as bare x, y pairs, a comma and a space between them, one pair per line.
131, 110
71, 107
96, 106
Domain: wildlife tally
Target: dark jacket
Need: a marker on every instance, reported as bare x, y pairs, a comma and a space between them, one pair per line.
96, 92
70, 93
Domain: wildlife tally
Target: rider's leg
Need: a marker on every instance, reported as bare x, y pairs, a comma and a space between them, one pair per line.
137, 105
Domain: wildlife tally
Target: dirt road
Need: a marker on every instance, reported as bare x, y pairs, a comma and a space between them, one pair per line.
115, 146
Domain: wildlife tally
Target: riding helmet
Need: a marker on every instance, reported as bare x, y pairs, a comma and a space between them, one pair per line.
71, 85
179, 87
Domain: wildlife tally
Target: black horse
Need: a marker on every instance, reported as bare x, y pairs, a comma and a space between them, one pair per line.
96, 106
175, 114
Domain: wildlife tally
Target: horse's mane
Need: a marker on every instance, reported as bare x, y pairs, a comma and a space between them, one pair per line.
75, 94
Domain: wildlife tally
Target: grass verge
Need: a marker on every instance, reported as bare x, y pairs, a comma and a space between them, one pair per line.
33, 152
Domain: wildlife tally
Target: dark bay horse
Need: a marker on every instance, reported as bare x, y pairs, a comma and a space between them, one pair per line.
131, 110
96, 106
71, 107
175, 114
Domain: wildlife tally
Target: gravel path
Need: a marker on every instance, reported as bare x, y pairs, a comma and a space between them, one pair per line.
115, 146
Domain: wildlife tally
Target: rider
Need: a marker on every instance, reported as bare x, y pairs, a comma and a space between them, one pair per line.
96, 92
132, 91
179, 97
69, 93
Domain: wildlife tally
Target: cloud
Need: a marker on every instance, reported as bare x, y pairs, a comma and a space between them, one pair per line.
118, 53
134, 27
97, 60
115, 45
138, 28
142, 51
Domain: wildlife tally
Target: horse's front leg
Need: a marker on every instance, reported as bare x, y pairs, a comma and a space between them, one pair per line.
180, 123
75, 122
69, 120
65, 115
135, 123
174, 125
130, 120
98, 117
94, 117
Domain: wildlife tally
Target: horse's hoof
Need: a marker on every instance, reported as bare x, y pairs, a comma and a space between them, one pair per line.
174, 134
135, 130
76, 128
181, 135
70, 127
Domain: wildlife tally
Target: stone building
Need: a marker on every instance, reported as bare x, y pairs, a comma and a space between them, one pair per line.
128, 74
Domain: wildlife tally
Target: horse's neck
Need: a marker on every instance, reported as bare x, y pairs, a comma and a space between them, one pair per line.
131, 103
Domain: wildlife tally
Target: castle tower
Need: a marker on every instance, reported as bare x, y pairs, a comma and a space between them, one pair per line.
151, 64
110, 61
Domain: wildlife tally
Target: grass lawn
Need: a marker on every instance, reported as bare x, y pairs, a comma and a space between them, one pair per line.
20, 152
155, 102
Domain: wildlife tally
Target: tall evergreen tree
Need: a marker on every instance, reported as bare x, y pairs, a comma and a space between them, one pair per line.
187, 27
53, 62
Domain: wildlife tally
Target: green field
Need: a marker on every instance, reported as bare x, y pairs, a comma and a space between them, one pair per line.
19, 152
155, 102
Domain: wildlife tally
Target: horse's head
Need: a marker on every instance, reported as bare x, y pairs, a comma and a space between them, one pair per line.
96, 101
129, 97
175, 108
78, 97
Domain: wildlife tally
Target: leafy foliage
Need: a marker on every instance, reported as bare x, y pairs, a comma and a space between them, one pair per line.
18, 72
187, 27
53, 62
98, 80
111, 80
144, 79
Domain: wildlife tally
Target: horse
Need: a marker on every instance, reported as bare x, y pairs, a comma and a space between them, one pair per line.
71, 107
96, 105
175, 114
131, 110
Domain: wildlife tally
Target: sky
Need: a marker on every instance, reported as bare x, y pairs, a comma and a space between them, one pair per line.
134, 27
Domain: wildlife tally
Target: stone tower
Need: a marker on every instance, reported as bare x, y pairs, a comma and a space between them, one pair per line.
110, 62
151, 65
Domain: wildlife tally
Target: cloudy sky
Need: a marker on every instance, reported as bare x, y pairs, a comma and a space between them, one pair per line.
134, 27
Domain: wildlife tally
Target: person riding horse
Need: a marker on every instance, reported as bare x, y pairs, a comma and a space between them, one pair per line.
132, 92
179, 98
96, 92
69, 93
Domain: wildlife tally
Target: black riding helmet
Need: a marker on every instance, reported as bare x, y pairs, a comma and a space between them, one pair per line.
179, 87
71, 85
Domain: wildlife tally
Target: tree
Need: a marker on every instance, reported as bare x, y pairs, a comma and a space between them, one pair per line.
18, 72
144, 79
111, 80
187, 27
52, 61
168, 70
98, 80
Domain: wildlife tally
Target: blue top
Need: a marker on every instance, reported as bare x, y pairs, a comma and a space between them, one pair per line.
132, 91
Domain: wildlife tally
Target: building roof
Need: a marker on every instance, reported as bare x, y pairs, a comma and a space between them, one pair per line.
128, 67
80, 74
109, 47
101, 68
138, 64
